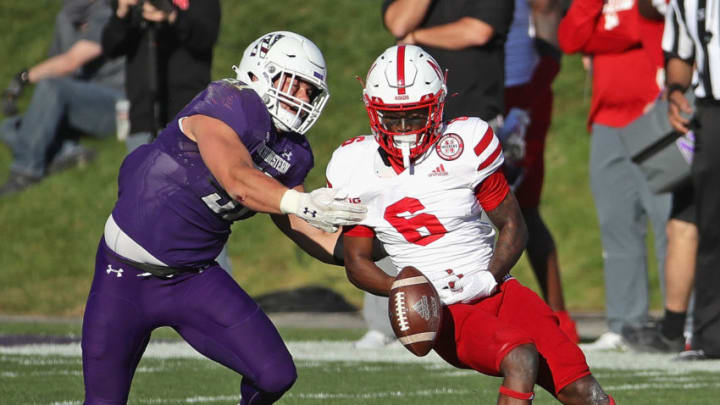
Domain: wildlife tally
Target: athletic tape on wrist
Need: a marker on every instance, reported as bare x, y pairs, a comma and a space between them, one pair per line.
289, 201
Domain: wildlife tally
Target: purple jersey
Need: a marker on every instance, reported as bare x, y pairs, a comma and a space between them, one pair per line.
170, 203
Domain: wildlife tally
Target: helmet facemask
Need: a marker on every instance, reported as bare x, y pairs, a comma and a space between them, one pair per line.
406, 131
289, 112
280, 58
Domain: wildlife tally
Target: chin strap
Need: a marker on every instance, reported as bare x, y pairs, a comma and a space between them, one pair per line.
527, 396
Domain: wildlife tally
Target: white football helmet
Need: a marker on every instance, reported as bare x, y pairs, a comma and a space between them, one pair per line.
405, 79
285, 56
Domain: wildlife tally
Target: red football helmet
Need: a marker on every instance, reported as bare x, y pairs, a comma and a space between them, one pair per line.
404, 96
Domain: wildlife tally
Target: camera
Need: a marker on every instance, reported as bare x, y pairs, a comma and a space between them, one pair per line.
136, 11
162, 5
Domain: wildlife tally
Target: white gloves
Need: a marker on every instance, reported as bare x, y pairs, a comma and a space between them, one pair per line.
466, 288
323, 208
512, 134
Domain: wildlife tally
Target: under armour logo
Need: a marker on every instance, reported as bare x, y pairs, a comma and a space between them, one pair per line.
287, 155
109, 270
308, 212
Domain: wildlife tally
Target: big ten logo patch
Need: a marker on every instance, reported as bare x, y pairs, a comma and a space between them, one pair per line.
450, 147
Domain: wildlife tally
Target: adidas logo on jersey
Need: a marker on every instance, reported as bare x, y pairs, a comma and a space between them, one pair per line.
439, 171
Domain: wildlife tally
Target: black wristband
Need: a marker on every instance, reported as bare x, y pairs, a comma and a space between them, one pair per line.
675, 87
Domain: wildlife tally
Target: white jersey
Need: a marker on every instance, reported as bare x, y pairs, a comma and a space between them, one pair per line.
427, 217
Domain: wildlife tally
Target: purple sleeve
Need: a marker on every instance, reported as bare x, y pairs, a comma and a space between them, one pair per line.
236, 105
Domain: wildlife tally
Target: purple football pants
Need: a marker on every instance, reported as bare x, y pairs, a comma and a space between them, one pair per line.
209, 310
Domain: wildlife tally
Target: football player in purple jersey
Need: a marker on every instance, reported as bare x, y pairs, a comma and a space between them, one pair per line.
236, 149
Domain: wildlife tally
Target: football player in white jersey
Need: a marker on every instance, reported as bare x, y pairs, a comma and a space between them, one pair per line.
426, 183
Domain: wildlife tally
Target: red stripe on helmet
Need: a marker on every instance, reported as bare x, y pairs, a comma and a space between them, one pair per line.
437, 69
401, 69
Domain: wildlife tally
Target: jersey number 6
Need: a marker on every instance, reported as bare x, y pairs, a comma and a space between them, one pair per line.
409, 226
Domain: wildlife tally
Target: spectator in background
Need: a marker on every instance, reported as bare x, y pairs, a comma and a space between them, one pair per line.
77, 87
668, 335
169, 49
626, 65
531, 64
467, 38
690, 40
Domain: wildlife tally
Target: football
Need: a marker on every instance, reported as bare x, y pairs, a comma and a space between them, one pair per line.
415, 311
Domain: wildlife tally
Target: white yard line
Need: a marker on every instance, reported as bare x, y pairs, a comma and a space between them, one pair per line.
326, 351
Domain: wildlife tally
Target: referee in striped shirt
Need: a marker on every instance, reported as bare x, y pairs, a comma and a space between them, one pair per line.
692, 43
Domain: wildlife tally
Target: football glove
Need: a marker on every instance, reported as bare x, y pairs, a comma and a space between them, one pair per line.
466, 288
323, 208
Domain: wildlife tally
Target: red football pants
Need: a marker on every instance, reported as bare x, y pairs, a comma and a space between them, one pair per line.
479, 335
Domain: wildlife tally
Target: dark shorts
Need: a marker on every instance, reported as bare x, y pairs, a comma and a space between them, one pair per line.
683, 204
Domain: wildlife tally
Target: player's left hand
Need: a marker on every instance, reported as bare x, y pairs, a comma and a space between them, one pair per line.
465, 289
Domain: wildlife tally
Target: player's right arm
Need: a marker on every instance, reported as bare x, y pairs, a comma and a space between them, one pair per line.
359, 266
231, 164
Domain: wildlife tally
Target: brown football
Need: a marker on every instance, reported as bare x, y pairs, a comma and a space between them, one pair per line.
415, 311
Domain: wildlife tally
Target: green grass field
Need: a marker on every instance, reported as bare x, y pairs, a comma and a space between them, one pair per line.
48, 234
330, 371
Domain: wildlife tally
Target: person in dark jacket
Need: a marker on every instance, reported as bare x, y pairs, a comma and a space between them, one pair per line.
169, 48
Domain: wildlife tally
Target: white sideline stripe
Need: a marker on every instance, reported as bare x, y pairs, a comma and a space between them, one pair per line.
318, 396
326, 351
417, 337
408, 281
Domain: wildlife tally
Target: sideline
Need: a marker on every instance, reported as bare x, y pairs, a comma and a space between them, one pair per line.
590, 324
333, 351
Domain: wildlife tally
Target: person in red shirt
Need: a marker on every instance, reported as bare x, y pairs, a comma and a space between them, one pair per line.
627, 76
